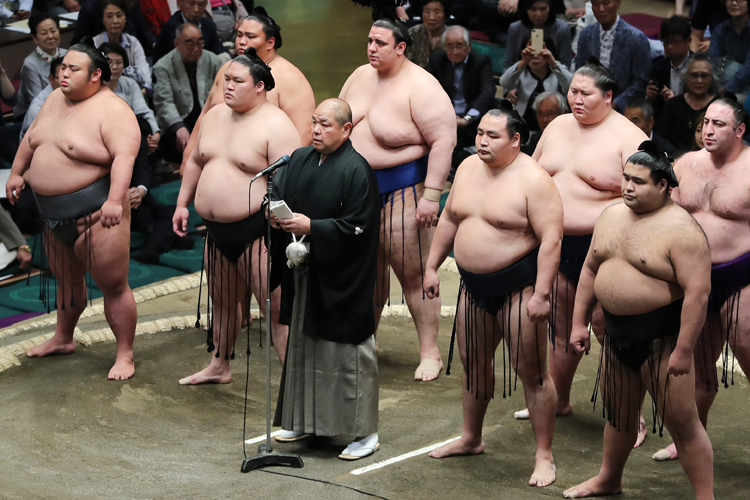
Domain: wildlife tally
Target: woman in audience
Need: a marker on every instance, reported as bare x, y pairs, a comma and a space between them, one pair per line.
533, 75
677, 121
45, 33
113, 18
426, 36
698, 134
538, 14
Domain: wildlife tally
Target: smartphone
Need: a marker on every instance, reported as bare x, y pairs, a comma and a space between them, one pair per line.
537, 40
281, 210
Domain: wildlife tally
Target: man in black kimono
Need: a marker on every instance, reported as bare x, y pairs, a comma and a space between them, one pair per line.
329, 386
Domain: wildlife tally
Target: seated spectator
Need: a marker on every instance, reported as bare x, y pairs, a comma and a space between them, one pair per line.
698, 133
45, 33
113, 17
13, 247
427, 36
620, 47
155, 14
547, 106
538, 14
730, 43
8, 133
701, 84
191, 11
666, 80
38, 101
226, 14
575, 8
89, 23
641, 113
55, 8
533, 75
708, 14
22, 11
183, 81
467, 78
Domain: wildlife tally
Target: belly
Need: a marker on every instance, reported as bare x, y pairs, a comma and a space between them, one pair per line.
582, 203
728, 239
53, 173
222, 193
386, 151
624, 290
481, 248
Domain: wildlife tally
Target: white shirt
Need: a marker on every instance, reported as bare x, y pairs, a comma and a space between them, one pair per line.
675, 82
606, 41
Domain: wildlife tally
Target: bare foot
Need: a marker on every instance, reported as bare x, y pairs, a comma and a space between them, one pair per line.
428, 369
544, 473
52, 347
668, 453
642, 432
123, 369
594, 487
564, 410
209, 375
458, 447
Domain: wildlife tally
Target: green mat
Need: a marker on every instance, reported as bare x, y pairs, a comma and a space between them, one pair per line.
188, 261
495, 52
5, 312
25, 298
166, 194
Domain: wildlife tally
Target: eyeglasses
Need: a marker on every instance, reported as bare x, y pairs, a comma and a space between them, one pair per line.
674, 41
455, 48
696, 76
191, 44
116, 64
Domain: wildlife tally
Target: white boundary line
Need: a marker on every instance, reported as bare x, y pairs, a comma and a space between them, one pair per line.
262, 438
399, 458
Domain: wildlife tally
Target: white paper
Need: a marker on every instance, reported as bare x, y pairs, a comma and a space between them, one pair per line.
70, 16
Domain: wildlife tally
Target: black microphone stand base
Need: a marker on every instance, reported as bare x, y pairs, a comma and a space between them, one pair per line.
266, 457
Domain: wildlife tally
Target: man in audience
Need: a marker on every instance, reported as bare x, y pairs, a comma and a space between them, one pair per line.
38, 101
193, 12
641, 113
183, 83
620, 47
467, 79
547, 106
666, 80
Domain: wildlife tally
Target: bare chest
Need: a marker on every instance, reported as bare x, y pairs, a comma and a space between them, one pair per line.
386, 111
725, 194
247, 153
640, 244
496, 203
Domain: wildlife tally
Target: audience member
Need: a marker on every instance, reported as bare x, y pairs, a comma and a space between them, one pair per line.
538, 14
8, 133
707, 15
620, 47
183, 80
113, 17
701, 84
36, 103
193, 12
427, 37
575, 8
698, 133
547, 106
665, 81
13, 245
89, 22
641, 113
155, 14
730, 43
467, 79
493, 17
23, 8
226, 14
533, 75
45, 32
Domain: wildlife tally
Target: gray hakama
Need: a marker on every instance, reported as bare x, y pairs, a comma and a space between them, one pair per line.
327, 388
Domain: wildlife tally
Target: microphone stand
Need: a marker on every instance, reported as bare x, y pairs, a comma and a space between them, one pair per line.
266, 456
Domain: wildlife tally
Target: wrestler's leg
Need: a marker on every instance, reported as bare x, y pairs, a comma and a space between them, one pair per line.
69, 273
409, 248
621, 392
383, 281
563, 361
227, 289
478, 383
739, 336
528, 354
259, 286
106, 254
681, 420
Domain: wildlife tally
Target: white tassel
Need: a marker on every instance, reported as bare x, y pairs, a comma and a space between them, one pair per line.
296, 252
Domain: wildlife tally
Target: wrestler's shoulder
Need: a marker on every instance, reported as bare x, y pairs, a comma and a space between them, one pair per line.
561, 123
281, 66
688, 160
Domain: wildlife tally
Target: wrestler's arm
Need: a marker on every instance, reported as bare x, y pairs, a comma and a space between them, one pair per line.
580, 339
218, 83
679, 167
540, 145
21, 164
442, 244
298, 102
545, 212
433, 113
122, 138
691, 259
191, 174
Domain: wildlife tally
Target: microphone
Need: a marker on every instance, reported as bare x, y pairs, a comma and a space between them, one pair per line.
284, 160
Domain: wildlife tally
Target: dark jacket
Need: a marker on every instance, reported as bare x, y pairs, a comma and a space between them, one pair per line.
478, 85
165, 44
89, 23
661, 74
